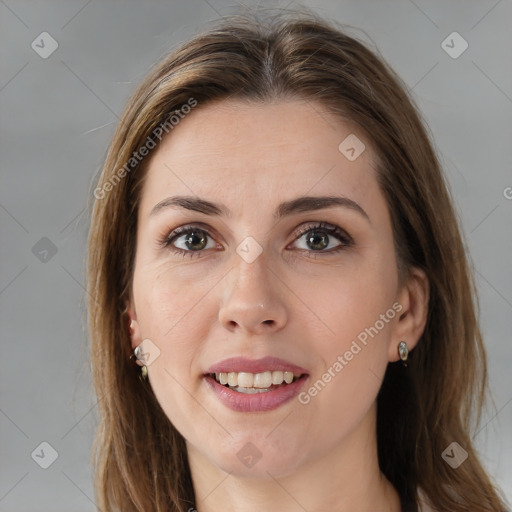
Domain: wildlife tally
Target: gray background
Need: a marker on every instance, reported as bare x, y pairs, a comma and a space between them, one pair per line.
57, 116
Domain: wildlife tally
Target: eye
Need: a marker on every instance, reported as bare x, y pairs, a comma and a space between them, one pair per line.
192, 240
189, 241
317, 238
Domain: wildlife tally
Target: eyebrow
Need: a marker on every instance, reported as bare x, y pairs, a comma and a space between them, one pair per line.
298, 205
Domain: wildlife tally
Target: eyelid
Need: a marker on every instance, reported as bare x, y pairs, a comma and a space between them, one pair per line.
169, 237
197, 226
331, 229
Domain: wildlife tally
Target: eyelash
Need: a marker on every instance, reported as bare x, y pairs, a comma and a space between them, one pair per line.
332, 230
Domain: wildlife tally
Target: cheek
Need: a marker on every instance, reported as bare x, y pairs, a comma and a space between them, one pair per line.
169, 305
174, 322
170, 319
346, 382
348, 301
357, 311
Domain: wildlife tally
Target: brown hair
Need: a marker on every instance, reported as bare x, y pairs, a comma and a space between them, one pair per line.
140, 459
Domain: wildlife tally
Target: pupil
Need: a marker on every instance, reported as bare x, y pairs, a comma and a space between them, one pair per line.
318, 238
194, 238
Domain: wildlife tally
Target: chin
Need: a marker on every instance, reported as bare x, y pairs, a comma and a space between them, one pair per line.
258, 457
264, 468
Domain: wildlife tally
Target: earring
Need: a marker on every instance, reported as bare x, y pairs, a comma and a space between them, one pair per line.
403, 352
140, 360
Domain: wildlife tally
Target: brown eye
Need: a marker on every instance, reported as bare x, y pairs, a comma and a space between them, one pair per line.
319, 237
317, 240
195, 240
189, 241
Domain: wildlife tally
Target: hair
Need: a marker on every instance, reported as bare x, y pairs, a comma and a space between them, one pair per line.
139, 458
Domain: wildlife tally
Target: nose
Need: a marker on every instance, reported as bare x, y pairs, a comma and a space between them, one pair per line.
253, 301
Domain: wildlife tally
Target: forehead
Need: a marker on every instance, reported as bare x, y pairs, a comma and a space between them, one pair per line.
248, 153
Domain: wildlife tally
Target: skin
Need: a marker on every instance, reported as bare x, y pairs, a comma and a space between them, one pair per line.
294, 302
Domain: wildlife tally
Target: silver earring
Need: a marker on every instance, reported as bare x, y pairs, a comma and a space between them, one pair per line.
403, 352
140, 360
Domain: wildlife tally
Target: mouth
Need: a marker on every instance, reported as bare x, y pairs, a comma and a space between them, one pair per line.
251, 383
255, 385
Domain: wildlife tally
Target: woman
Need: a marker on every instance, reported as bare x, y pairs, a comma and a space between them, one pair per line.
281, 311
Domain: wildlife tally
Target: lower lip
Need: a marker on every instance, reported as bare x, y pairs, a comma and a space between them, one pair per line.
256, 402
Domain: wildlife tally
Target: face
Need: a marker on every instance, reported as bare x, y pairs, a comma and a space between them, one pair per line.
264, 286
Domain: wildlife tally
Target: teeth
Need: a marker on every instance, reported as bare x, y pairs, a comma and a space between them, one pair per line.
253, 381
277, 377
246, 380
233, 379
249, 391
261, 380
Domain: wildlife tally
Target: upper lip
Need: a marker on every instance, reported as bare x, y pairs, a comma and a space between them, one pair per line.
243, 364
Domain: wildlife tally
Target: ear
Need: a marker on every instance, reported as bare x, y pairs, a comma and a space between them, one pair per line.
134, 328
414, 298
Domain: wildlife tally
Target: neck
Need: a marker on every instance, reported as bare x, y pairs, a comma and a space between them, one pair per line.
346, 479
